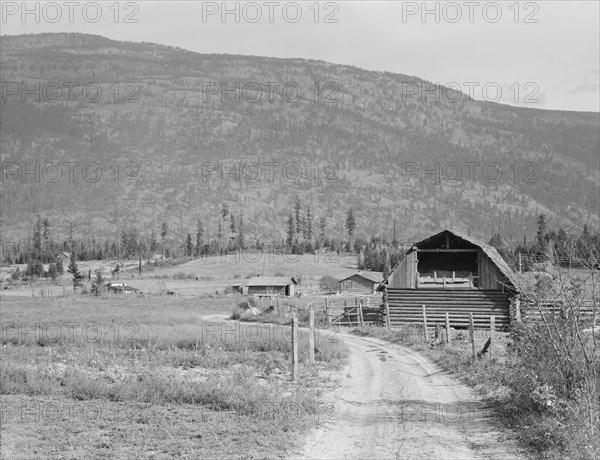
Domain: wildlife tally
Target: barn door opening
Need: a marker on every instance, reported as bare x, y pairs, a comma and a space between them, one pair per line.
447, 269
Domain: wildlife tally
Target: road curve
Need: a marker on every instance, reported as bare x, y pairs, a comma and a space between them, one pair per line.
396, 403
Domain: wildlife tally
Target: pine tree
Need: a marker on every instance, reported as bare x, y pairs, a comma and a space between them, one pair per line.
37, 238
59, 266
297, 211
291, 232
232, 225
224, 210
45, 234
74, 270
124, 238
188, 245
52, 271
350, 223
240, 238
164, 230
541, 241
153, 242
97, 283
309, 224
322, 227
199, 235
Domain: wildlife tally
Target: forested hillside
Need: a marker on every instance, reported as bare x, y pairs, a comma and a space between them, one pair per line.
170, 146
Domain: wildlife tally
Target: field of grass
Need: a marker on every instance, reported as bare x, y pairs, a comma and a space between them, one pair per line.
155, 377
199, 277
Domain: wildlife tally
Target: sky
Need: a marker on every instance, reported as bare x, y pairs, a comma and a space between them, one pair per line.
543, 54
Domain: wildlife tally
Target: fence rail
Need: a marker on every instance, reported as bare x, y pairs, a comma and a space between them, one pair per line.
531, 311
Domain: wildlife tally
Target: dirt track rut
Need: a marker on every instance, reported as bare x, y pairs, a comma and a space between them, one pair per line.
395, 403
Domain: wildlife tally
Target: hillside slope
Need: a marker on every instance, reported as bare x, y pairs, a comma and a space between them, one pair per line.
171, 146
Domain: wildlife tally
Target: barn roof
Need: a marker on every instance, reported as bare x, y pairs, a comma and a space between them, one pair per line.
270, 281
374, 277
488, 249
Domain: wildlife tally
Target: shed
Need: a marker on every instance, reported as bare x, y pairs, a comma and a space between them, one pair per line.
361, 283
453, 273
279, 285
121, 288
64, 257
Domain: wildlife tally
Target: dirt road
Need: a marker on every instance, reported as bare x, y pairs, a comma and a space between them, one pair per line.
395, 403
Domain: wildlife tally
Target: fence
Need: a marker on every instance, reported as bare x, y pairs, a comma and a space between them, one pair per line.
358, 314
553, 308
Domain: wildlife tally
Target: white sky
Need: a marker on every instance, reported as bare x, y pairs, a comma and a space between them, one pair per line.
554, 62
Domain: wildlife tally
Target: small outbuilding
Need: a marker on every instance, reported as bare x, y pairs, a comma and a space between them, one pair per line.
270, 285
361, 283
119, 287
64, 257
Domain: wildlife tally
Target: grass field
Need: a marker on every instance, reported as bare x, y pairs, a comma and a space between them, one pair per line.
125, 377
205, 276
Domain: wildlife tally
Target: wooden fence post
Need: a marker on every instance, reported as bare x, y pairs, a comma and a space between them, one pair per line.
492, 329
327, 311
360, 313
424, 324
294, 348
448, 339
472, 334
311, 335
387, 315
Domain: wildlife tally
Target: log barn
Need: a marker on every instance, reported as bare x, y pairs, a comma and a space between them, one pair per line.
361, 283
451, 273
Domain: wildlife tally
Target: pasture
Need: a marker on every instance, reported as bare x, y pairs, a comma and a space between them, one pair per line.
199, 277
156, 377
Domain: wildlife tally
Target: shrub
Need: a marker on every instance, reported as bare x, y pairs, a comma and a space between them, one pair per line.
329, 284
17, 274
52, 271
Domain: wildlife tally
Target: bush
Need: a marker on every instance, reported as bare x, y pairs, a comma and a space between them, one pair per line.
17, 274
329, 284
52, 271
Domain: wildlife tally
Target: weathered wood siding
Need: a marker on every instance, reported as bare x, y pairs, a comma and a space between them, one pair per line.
405, 274
490, 277
406, 306
266, 290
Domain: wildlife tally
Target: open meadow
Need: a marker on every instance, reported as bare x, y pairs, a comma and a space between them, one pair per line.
204, 276
159, 376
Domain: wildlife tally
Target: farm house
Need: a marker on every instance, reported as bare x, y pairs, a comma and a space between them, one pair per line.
270, 285
361, 283
451, 273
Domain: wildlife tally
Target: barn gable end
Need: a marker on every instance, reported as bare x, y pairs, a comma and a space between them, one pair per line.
450, 273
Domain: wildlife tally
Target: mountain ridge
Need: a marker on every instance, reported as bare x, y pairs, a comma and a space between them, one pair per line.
370, 131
